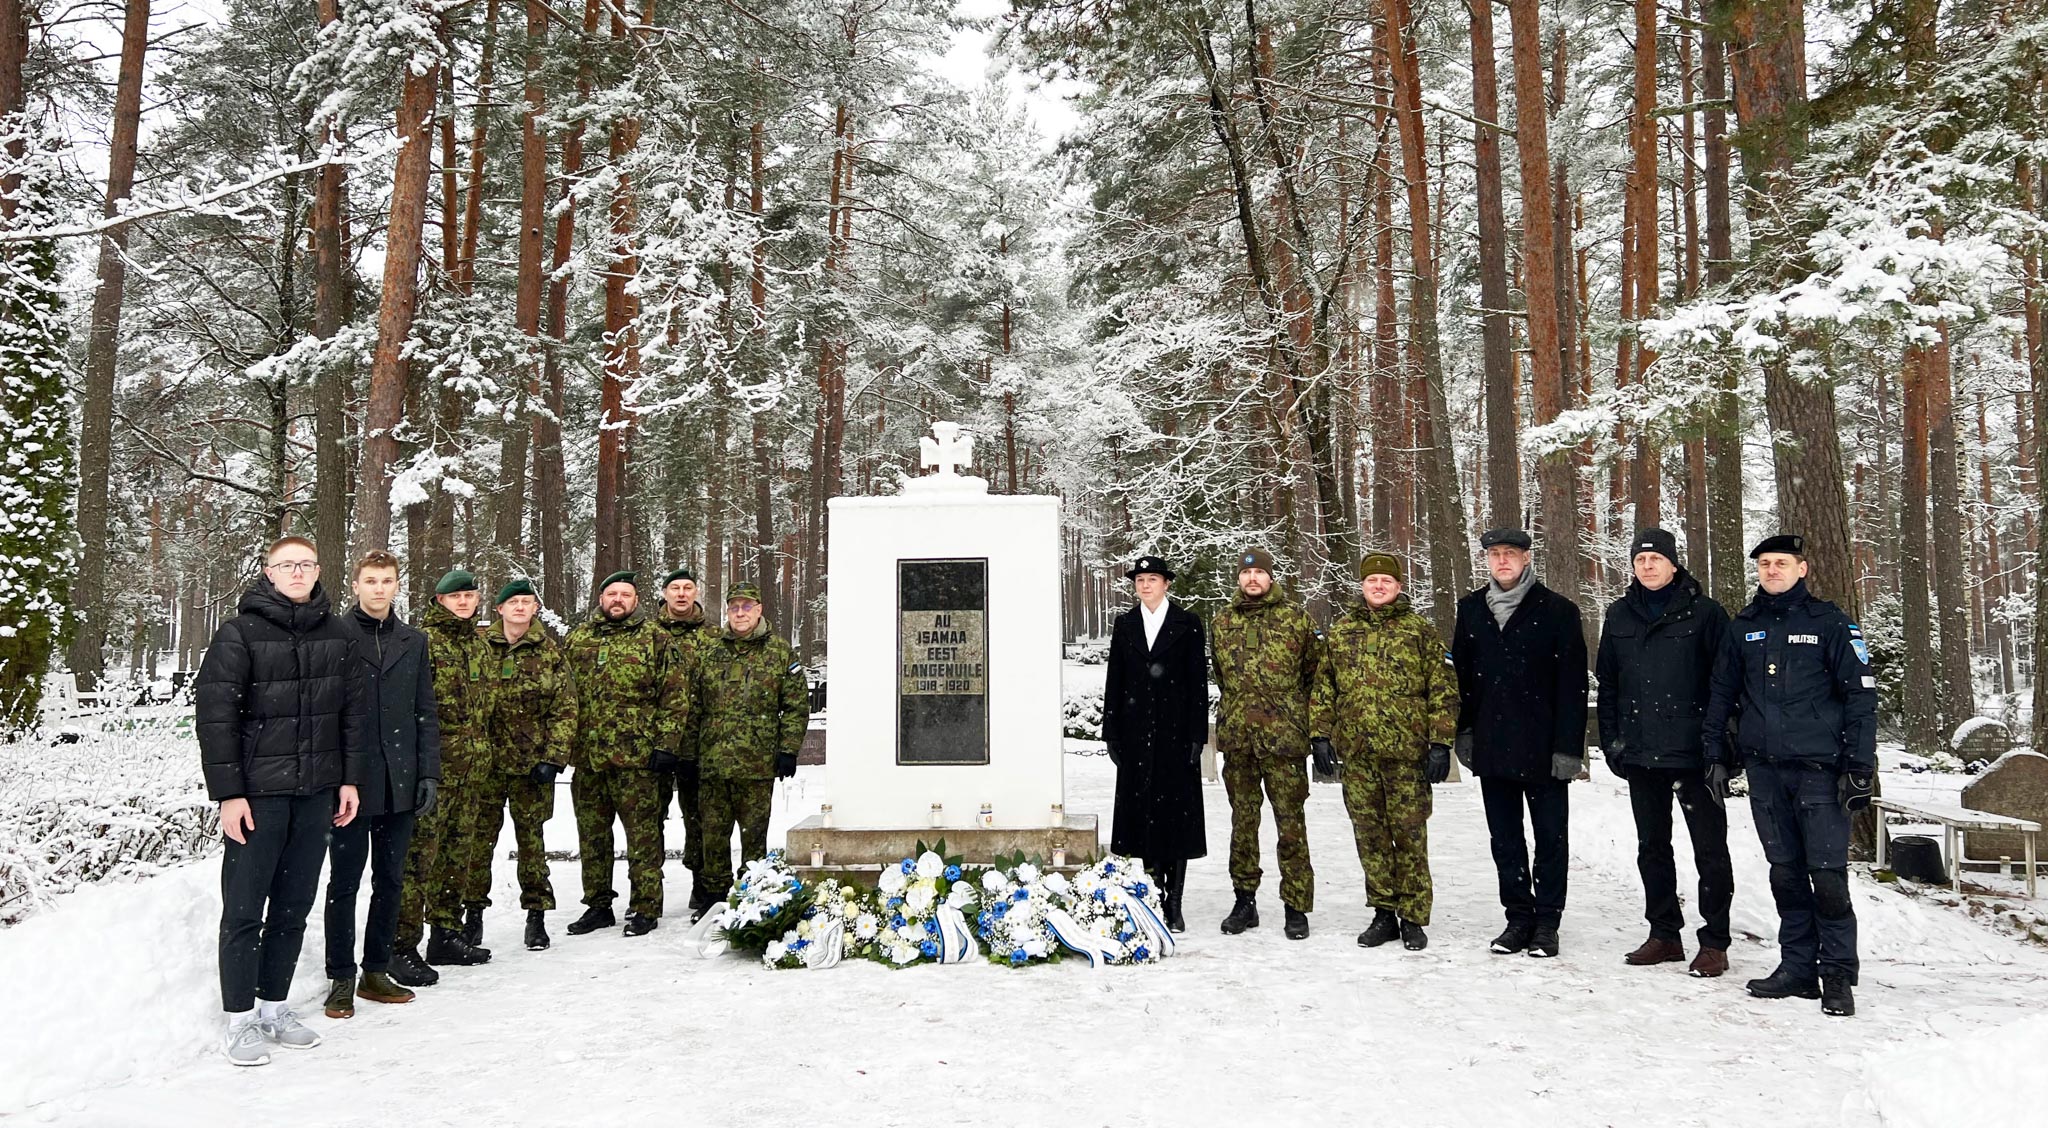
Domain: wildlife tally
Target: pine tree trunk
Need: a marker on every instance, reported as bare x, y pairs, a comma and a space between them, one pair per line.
1503, 453
330, 311
1727, 577
757, 292
403, 241
533, 200
1647, 483
102, 348
1953, 692
550, 477
1922, 708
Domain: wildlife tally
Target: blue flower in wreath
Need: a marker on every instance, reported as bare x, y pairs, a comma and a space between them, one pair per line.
1140, 889
1017, 958
1141, 953
1002, 909
799, 945
1102, 896
774, 909
985, 931
743, 887
796, 887
1109, 867
1021, 895
810, 912
952, 873
909, 867
931, 927
895, 901
1125, 935
896, 921
929, 948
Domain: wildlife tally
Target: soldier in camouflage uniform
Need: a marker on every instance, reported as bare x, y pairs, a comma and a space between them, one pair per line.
1387, 704
532, 724
1264, 652
753, 709
442, 843
683, 618
632, 709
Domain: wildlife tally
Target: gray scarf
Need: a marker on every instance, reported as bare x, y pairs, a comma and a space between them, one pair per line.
1503, 601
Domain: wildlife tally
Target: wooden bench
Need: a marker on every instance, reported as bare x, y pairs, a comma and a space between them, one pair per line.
62, 700
1955, 822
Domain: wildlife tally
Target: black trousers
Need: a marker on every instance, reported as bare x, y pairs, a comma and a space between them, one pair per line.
380, 842
1805, 834
1534, 897
1650, 791
267, 886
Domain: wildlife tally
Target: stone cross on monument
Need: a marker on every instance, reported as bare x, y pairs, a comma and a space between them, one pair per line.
948, 452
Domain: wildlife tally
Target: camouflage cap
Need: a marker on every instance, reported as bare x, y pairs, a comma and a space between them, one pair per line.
521, 586
743, 591
457, 579
1256, 558
620, 577
1383, 564
678, 574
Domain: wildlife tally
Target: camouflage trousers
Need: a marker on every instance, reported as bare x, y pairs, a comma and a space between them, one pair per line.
685, 792
724, 804
1284, 781
1389, 801
601, 795
442, 843
532, 804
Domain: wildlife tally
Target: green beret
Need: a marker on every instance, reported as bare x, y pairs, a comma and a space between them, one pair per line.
1382, 564
516, 587
678, 574
743, 591
457, 579
616, 578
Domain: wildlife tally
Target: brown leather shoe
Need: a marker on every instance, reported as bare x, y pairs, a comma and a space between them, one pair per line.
1709, 964
1655, 951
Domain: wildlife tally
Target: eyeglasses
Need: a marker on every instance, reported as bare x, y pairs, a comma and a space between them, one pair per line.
295, 567
742, 605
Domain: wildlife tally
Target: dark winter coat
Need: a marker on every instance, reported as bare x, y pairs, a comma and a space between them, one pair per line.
1654, 675
280, 705
1793, 678
1155, 711
1522, 690
405, 729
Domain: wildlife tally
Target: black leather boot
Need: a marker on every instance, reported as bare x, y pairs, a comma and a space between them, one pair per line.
1245, 914
1835, 996
1384, 927
1785, 983
593, 918
410, 970
537, 930
445, 946
473, 926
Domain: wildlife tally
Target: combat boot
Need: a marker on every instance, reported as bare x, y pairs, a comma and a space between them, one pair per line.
473, 927
1297, 923
1835, 996
537, 930
593, 918
1543, 941
446, 947
341, 997
696, 912
408, 968
1384, 927
378, 987
1412, 936
1785, 983
637, 925
1245, 914
1513, 938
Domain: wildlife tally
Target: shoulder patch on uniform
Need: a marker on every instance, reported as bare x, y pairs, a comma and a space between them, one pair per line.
1754, 636
794, 667
1862, 651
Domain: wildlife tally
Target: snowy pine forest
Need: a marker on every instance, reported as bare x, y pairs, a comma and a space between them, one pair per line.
555, 289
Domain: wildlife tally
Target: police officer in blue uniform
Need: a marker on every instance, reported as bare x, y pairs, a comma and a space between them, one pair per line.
1794, 681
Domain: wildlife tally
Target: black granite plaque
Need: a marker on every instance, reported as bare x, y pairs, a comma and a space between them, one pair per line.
942, 653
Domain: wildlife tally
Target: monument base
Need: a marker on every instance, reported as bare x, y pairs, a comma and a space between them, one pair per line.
816, 850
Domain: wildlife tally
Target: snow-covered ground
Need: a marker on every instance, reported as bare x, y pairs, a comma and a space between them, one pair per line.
111, 1016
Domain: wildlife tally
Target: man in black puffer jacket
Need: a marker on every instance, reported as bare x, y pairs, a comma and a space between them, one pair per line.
1656, 665
280, 709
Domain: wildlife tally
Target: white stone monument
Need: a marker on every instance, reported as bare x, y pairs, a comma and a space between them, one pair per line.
943, 635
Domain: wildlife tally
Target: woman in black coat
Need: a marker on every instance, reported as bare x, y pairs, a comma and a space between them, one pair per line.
1155, 721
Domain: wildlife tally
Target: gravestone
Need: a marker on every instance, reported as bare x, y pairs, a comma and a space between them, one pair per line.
944, 637
2016, 785
1980, 740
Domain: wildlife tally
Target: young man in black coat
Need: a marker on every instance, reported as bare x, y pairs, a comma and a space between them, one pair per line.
403, 779
1655, 668
280, 716
1155, 722
1520, 653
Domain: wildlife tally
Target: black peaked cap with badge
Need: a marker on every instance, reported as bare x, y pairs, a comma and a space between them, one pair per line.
1791, 543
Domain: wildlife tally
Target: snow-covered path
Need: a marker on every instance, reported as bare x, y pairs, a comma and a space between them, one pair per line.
109, 1003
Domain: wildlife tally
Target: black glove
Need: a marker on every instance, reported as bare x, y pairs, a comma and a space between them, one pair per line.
1109, 749
1717, 783
785, 765
544, 773
1195, 751
687, 773
1324, 755
1854, 788
1612, 754
1438, 767
424, 798
1464, 749
664, 761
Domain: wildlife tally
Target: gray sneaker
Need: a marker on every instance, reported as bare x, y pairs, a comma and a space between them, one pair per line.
286, 1030
245, 1044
